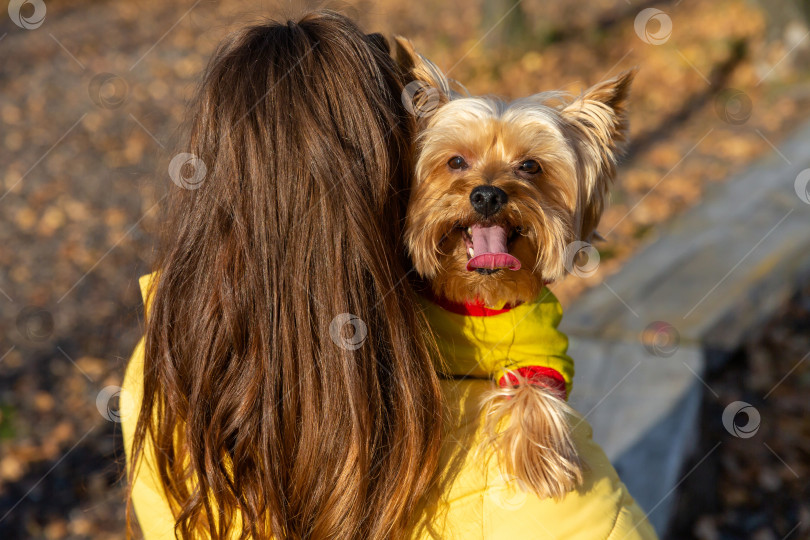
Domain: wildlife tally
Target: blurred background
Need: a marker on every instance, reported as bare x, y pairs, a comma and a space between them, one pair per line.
91, 97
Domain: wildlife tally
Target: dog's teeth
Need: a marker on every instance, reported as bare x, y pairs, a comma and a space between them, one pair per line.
470, 252
469, 231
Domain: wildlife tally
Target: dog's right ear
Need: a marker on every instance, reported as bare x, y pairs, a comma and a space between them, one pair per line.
599, 119
418, 69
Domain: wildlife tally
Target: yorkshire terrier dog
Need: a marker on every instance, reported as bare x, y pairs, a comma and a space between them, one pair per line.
500, 190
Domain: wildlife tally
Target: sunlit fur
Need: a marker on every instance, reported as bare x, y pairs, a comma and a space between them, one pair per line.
492, 137
577, 142
529, 427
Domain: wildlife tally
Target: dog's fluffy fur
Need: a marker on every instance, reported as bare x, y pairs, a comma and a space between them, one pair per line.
576, 142
527, 425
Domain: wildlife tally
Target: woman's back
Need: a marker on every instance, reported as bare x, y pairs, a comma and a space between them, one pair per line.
263, 411
471, 498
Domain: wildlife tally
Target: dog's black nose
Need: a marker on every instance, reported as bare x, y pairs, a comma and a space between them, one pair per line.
487, 200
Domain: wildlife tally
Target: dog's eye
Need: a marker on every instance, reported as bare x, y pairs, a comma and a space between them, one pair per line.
457, 162
530, 166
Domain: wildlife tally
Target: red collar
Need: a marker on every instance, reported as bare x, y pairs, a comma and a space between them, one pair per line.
475, 308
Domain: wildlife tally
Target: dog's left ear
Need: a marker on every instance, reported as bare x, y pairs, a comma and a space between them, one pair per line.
599, 123
379, 41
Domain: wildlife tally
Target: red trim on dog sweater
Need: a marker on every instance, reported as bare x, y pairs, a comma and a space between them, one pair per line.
474, 309
537, 375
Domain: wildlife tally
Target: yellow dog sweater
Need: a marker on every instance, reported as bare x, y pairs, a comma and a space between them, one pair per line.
476, 341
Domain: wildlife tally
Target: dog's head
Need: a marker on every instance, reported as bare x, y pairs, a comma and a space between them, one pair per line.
501, 189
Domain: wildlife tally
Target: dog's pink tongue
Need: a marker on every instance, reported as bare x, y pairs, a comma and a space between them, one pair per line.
489, 245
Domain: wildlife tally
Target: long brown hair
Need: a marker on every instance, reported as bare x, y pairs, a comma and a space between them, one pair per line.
268, 417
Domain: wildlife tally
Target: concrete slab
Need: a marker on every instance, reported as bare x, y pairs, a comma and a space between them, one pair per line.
644, 388
712, 275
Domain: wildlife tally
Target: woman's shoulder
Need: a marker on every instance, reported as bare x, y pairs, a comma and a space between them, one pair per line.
478, 501
132, 395
132, 387
601, 508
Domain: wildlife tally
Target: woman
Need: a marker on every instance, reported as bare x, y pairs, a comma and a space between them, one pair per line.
260, 419
285, 382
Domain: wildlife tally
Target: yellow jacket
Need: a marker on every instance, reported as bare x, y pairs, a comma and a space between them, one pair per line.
472, 501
